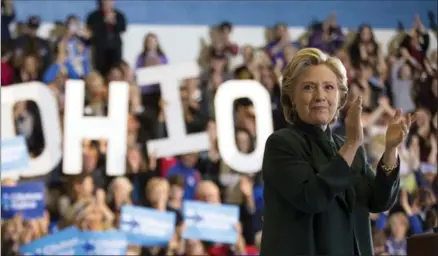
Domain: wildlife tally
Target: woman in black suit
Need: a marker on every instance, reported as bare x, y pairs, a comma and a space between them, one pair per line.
319, 188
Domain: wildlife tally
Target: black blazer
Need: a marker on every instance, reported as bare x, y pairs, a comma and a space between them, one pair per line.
315, 204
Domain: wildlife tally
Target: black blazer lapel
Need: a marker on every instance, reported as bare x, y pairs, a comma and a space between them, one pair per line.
322, 146
350, 194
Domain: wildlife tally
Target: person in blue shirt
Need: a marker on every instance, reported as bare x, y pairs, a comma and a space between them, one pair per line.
185, 167
62, 64
77, 44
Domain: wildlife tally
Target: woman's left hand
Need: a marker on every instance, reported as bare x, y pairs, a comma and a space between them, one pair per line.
398, 129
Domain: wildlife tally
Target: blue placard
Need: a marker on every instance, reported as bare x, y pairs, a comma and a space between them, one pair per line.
210, 222
27, 199
111, 242
64, 242
146, 226
428, 168
14, 156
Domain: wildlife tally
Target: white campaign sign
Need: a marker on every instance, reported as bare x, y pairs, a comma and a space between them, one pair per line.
49, 112
114, 127
227, 93
78, 127
178, 141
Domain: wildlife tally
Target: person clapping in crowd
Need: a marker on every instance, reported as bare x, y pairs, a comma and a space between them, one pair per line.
405, 77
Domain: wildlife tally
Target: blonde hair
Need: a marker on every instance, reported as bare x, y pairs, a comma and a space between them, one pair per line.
156, 181
304, 59
205, 185
94, 75
124, 181
397, 219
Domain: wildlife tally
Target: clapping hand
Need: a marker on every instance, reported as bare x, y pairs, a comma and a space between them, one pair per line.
110, 17
353, 123
398, 129
407, 207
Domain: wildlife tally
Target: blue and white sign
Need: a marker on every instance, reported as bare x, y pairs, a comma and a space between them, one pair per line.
210, 222
64, 242
14, 157
146, 226
104, 243
428, 168
27, 199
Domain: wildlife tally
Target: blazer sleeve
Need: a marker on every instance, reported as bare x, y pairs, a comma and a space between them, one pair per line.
291, 175
383, 188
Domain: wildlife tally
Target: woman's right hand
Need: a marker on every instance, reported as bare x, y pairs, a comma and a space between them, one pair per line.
353, 123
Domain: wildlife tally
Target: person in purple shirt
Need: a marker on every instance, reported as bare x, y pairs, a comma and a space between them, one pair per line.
281, 41
185, 167
152, 55
327, 36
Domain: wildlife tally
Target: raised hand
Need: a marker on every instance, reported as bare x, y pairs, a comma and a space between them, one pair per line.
404, 202
414, 154
246, 186
398, 129
100, 197
353, 123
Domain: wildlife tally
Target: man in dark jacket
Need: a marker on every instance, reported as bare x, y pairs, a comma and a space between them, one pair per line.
31, 44
106, 25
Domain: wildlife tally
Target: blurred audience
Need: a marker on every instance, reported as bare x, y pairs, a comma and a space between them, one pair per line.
407, 78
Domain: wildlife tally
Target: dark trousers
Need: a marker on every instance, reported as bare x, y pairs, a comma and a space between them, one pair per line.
105, 59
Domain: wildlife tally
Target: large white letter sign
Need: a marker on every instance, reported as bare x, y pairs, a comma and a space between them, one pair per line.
227, 93
178, 141
78, 127
49, 113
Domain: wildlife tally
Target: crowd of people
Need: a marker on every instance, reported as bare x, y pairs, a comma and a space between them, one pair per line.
405, 78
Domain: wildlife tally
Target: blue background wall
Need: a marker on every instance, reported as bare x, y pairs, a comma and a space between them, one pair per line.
351, 13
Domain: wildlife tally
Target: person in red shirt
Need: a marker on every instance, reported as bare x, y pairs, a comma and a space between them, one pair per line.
230, 48
7, 72
417, 41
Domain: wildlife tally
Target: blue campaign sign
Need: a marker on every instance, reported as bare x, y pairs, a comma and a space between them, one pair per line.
146, 226
210, 222
27, 199
110, 242
14, 156
64, 242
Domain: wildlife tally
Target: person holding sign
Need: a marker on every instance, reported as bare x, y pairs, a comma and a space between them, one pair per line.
319, 188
